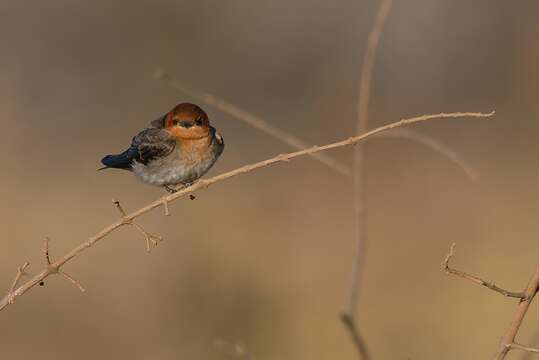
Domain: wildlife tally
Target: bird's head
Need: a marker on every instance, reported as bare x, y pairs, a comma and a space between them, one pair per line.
187, 121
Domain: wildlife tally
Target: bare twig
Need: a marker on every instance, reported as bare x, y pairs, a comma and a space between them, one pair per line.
507, 342
205, 183
21, 271
524, 348
264, 125
46, 250
52, 268
438, 147
534, 340
151, 239
349, 316
490, 285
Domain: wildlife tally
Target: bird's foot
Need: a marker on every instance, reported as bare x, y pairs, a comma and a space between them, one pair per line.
170, 189
175, 188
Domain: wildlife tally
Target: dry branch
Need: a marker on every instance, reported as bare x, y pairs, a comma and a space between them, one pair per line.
205, 183
507, 342
438, 147
349, 316
490, 285
293, 141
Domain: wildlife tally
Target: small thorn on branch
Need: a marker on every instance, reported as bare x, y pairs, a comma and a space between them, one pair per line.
21, 271
489, 285
55, 269
523, 348
46, 250
151, 239
72, 280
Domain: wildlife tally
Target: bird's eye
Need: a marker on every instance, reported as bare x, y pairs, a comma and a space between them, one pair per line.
175, 122
198, 122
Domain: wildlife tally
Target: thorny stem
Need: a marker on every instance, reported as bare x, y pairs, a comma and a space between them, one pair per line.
203, 184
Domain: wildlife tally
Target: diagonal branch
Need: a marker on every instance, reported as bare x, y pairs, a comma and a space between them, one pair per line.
489, 285
52, 268
151, 239
524, 348
21, 271
205, 183
293, 141
507, 342
437, 146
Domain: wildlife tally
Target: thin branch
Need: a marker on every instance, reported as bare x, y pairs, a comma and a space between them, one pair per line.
72, 280
205, 183
508, 340
438, 147
349, 316
489, 285
20, 273
534, 340
52, 268
291, 140
524, 348
151, 239
46, 250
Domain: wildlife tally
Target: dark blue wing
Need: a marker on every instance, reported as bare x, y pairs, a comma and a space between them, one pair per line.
148, 145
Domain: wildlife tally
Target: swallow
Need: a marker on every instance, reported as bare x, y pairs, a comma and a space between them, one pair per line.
175, 149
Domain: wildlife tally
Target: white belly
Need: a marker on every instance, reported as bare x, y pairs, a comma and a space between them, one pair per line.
172, 169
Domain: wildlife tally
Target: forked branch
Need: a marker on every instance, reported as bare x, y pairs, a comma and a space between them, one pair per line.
507, 342
488, 284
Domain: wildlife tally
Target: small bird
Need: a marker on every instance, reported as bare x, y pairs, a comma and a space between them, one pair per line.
176, 149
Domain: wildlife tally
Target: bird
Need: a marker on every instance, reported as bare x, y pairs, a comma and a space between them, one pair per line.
175, 149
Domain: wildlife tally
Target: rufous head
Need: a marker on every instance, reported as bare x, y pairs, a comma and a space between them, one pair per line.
187, 121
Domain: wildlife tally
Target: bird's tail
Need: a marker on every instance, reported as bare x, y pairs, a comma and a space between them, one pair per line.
120, 161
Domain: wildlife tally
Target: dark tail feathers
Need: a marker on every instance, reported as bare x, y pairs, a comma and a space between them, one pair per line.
120, 161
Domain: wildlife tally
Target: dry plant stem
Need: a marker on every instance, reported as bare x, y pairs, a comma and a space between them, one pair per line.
524, 348
53, 269
151, 239
527, 355
20, 273
296, 143
355, 335
205, 183
437, 146
507, 342
490, 285
349, 316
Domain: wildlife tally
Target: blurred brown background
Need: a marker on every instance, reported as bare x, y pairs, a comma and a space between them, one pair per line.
265, 259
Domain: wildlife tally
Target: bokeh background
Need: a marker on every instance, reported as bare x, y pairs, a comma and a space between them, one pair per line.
264, 259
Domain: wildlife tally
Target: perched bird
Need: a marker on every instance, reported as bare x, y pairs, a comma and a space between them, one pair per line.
177, 148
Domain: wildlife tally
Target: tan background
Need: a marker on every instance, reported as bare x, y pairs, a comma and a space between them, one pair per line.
264, 259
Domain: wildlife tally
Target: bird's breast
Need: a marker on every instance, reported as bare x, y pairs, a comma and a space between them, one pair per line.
186, 163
